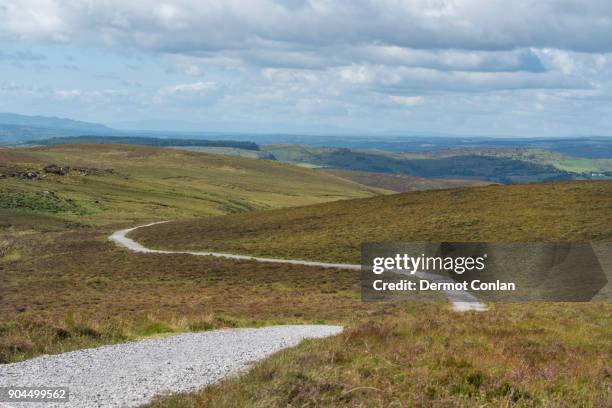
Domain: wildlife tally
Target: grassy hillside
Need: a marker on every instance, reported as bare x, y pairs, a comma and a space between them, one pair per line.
64, 286
119, 183
333, 231
402, 183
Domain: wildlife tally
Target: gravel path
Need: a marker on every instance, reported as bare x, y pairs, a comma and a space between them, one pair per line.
121, 238
462, 300
131, 374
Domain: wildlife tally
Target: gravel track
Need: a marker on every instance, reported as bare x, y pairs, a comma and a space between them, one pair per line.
131, 374
462, 300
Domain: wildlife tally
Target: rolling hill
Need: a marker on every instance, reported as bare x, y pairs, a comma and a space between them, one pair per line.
118, 183
562, 211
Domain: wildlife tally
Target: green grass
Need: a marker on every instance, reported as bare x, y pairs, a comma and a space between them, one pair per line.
584, 165
420, 354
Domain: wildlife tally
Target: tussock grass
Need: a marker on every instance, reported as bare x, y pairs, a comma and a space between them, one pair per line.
419, 356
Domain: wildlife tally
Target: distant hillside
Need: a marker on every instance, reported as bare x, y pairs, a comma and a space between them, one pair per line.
18, 128
585, 147
146, 141
402, 183
16, 134
498, 169
565, 162
51, 123
562, 211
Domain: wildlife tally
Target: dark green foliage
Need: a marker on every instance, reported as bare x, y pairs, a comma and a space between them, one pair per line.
465, 166
145, 141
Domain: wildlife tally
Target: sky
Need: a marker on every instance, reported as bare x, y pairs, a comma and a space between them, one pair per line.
413, 67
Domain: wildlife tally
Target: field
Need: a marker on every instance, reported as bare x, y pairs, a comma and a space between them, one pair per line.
584, 165
75, 289
64, 286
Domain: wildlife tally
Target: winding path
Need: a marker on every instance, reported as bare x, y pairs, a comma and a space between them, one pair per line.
462, 300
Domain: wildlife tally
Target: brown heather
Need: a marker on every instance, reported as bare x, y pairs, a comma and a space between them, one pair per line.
64, 286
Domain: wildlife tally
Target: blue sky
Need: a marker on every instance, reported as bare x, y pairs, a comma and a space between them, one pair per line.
472, 67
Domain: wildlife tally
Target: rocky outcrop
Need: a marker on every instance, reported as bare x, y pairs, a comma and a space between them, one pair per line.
51, 169
55, 169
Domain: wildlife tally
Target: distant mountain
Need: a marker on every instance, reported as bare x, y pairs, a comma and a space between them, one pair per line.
16, 128
50, 122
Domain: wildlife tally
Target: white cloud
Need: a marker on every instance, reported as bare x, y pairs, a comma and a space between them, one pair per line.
407, 100
209, 25
68, 93
200, 87
357, 74
193, 70
264, 60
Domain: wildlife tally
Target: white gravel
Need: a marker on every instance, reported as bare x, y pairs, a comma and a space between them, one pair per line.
131, 374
